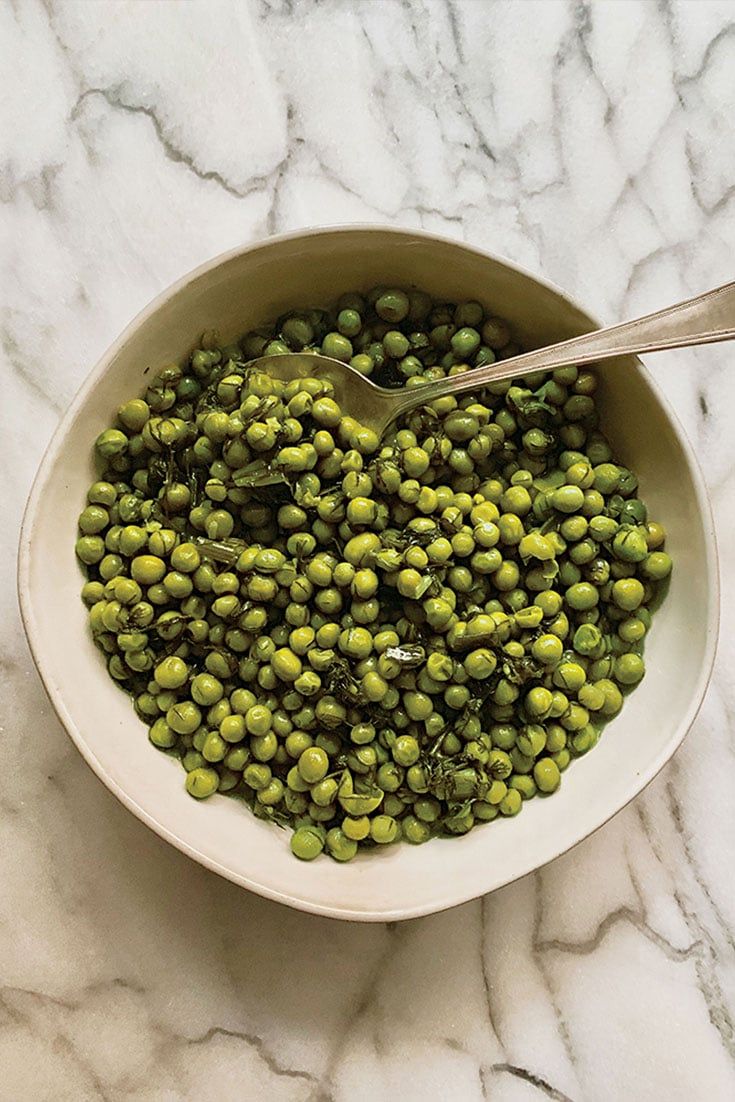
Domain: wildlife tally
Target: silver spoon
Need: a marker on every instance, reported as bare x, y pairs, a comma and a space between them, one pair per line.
702, 320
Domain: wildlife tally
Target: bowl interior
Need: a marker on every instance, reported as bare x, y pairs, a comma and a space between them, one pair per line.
251, 287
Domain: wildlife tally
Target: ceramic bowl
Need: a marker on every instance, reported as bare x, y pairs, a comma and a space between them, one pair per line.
252, 285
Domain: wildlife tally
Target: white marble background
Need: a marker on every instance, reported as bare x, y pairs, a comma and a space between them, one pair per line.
592, 142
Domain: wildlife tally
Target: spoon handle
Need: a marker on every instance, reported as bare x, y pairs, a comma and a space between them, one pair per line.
702, 320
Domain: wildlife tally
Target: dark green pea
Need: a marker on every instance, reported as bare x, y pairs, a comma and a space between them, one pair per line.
633, 512
392, 306
630, 545
465, 342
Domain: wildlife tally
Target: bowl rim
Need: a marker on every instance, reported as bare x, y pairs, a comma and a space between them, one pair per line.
639, 781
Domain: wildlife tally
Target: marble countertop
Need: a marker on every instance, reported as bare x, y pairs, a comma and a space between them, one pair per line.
591, 142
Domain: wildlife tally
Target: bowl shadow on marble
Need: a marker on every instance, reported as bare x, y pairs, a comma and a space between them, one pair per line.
245, 288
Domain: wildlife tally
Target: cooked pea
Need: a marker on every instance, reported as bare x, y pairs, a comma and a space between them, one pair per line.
405, 750
569, 676
465, 342
568, 499
547, 649
630, 544
582, 596
307, 842
171, 673
657, 565
629, 669
480, 663
340, 846
546, 775
392, 305
147, 569
511, 803
202, 782
258, 719
627, 593
184, 717
313, 764
538, 701
383, 829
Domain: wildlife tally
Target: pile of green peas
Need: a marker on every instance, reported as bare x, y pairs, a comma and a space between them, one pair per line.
369, 640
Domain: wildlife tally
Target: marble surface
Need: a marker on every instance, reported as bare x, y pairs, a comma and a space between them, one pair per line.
593, 143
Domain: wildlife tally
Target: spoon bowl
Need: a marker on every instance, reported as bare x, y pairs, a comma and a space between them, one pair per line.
374, 406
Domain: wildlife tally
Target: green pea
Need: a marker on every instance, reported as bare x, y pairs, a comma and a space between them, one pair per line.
655, 534
538, 702
630, 545
632, 630
591, 697
383, 829
574, 718
105, 493
184, 717
392, 306
313, 764
162, 734
232, 728
257, 776
307, 842
405, 750
629, 669
547, 649
356, 828
582, 596
584, 739
568, 499
90, 549
511, 803
147, 569
656, 565
536, 546
414, 830
465, 342
546, 775
627, 593
480, 663
587, 639
215, 748
396, 344
418, 705
299, 332
202, 782
569, 676
524, 784
111, 443
340, 846
237, 758
171, 673
93, 519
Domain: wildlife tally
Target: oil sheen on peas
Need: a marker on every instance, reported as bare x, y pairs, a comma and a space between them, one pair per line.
369, 641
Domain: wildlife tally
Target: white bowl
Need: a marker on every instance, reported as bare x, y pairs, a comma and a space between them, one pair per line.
250, 286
